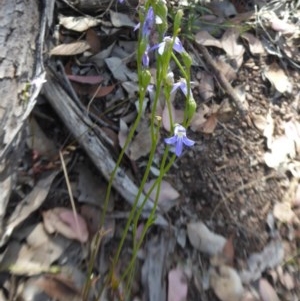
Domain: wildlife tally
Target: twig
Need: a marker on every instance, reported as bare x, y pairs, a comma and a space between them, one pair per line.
223, 81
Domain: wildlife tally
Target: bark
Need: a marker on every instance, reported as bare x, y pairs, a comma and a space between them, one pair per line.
21, 41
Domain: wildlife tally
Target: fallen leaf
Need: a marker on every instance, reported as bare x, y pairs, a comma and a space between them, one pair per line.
255, 44
177, 285
230, 43
205, 240
287, 280
281, 148
222, 8
100, 91
208, 127
86, 79
226, 283
167, 195
79, 24
141, 144
119, 19
199, 118
206, 86
206, 39
278, 78
120, 70
228, 250
73, 48
123, 133
66, 222
58, 288
28, 205
284, 213
93, 40
266, 291
227, 70
268, 258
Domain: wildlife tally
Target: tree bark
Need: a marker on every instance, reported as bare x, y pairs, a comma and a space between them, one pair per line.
21, 40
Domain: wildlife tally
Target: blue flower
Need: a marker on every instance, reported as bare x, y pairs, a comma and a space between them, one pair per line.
177, 46
145, 57
148, 23
121, 1
179, 139
182, 86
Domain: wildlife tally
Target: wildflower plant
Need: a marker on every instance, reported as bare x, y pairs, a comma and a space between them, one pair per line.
153, 17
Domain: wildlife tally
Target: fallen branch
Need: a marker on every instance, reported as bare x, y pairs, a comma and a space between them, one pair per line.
84, 131
223, 81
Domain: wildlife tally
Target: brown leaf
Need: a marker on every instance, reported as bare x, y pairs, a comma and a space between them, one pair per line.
206, 39
255, 45
210, 124
58, 288
86, 79
266, 291
100, 91
93, 40
228, 250
67, 223
74, 48
227, 70
278, 78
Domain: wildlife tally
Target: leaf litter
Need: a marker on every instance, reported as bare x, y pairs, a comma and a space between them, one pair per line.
160, 275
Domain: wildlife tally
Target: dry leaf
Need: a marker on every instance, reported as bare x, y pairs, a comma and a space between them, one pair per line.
255, 45
266, 291
208, 127
177, 285
284, 213
228, 250
199, 118
97, 91
119, 19
204, 240
120, 70
287, 280
230, 44
71, 48
65, 222
269, 257
93, 40
280, 148
227, 70
86, 79
226, 283
222, 8
79, 24
123, 133
206, 39
141, 144
206, 86
278, 78
167, 195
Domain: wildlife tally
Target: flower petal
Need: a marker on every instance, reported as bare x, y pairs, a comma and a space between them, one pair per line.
183, 87
179, 147
187, 141
178, 46
175, 87
171, 140
161, 48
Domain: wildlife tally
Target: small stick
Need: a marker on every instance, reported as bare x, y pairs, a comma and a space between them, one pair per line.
223, 81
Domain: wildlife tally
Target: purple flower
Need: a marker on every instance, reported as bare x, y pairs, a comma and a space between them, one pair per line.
121, 1
148, 23
145, 57
177, 46
179, 139
182, 86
